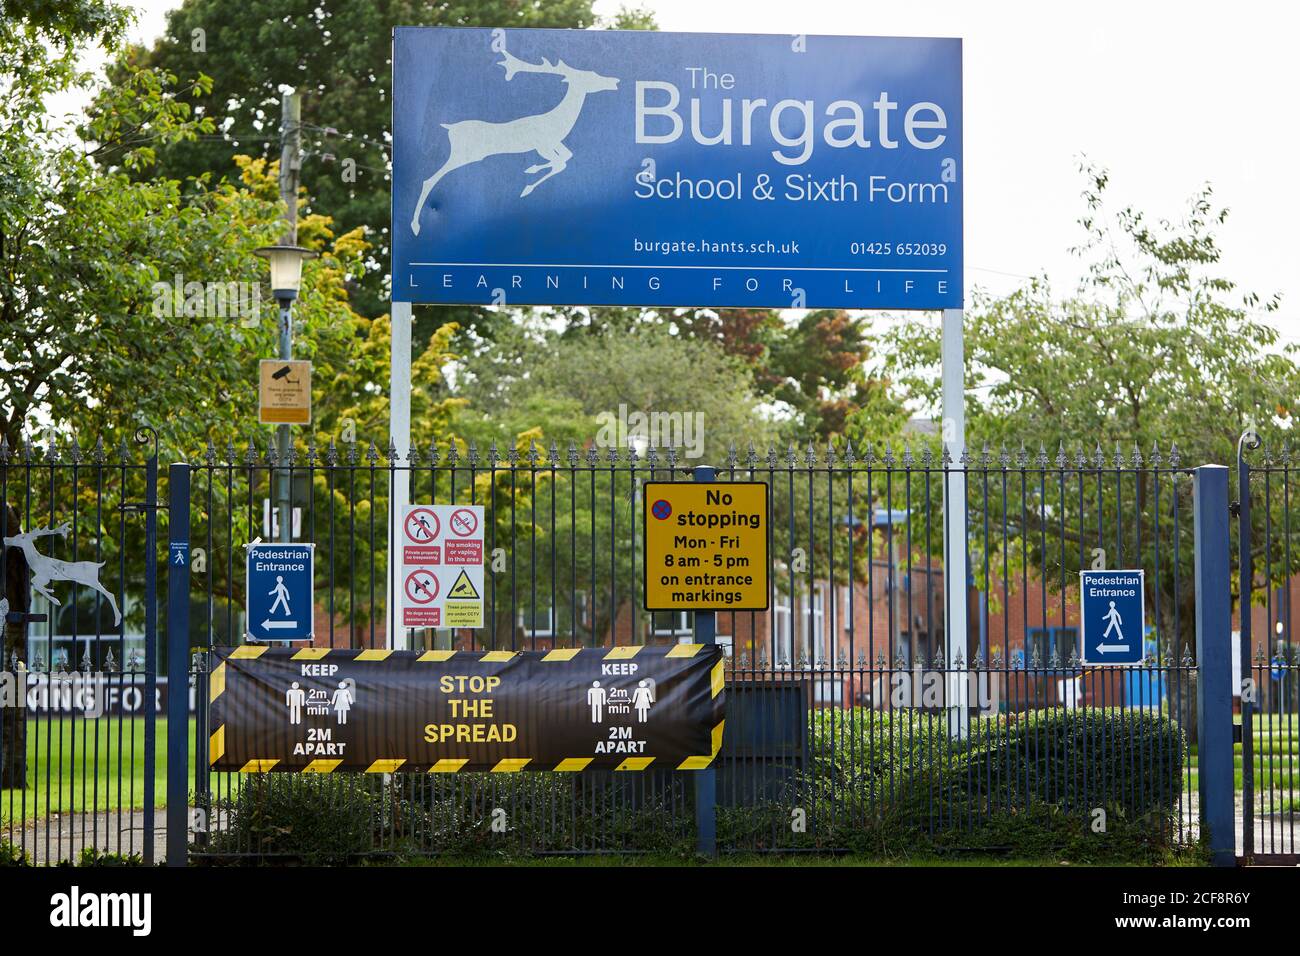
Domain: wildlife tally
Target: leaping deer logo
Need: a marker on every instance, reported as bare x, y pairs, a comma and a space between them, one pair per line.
475, 140
46, 569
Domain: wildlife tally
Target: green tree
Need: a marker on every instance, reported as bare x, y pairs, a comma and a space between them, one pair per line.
816, 371
1155, 351
584, 393
39, 45
338, 54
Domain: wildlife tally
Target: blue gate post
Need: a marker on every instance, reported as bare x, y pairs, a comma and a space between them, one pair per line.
1214, 663
178, 661
706, 781
1246, 575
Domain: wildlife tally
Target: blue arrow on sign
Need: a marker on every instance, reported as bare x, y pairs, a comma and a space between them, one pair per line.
280, 592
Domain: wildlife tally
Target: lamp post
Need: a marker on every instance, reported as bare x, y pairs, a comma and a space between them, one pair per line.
286, 278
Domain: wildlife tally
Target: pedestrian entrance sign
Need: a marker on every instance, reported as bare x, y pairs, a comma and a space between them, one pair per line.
706, 546
280, 592
1112, 612
441, 583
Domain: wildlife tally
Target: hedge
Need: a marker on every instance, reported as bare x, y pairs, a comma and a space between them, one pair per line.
1088, 782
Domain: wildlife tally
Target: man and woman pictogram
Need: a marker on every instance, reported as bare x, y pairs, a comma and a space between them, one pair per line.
599, 697
341, 701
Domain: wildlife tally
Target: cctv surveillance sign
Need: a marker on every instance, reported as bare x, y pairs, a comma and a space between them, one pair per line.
284, 392
593, 167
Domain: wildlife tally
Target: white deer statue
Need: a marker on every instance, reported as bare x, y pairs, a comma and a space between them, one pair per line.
475, 140
46, 569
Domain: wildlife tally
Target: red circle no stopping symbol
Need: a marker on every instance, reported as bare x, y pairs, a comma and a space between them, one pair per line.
463, 522
421, 586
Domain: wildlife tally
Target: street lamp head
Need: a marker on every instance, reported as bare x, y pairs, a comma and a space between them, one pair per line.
286, 269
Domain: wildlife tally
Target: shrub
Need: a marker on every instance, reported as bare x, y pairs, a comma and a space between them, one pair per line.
890, 783
93, 856
325, 820
552, 813
1029, 784
11, 855
317, 820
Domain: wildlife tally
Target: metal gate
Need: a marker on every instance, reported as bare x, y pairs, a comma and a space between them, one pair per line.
79, 776
1267, 730
841, 693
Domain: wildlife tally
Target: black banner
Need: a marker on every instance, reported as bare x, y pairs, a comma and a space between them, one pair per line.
319, 710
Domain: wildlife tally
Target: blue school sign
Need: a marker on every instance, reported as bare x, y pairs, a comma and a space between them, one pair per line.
1112, 616
280, 592
595, 167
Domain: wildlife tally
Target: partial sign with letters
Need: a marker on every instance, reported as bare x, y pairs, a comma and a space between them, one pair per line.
442, 566
320, 710
281, 591
1113, 616
605, 167
706, 546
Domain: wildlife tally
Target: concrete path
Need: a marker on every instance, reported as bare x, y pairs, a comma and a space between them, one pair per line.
63, 836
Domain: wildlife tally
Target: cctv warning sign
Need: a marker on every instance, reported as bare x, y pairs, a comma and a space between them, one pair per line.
284, 392
706, 546
441, 584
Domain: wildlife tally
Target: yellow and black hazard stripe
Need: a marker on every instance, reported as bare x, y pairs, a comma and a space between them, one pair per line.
217, 686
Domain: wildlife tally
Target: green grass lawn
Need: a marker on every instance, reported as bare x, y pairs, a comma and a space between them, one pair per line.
1275, 740
61, 767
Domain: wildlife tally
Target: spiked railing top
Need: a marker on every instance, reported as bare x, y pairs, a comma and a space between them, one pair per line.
835, 455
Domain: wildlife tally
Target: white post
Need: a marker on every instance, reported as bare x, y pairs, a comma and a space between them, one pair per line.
399, 431
954, 523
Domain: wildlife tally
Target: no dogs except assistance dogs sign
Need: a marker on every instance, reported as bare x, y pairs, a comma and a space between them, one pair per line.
706, 546
320, 710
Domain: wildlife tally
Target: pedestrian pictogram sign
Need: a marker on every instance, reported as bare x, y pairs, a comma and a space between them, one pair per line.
284, 392
280, 592
1112, 612
422, 525
706, 546
442, 566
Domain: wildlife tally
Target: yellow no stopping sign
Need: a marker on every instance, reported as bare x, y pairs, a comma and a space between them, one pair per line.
706, 546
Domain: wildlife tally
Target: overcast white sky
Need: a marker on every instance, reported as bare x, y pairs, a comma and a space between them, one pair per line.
1166, 95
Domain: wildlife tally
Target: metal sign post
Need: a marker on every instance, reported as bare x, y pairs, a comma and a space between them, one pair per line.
706, 780
954, 524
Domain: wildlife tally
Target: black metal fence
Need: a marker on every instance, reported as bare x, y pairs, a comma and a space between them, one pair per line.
1267, 758
78, 727
843, 695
